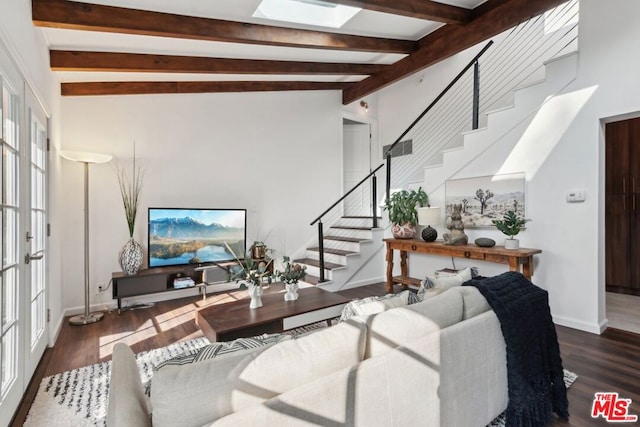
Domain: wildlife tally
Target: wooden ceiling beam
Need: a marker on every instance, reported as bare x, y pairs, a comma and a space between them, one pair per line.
498, 16
420, 9
154, 88
63, 60
92, 17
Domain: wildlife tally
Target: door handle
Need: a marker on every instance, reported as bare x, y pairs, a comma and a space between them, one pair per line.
28, 257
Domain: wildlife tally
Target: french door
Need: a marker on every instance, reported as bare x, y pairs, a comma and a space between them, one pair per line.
23, 213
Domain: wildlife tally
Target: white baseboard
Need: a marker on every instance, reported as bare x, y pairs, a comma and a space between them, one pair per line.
594, 328
55, 332
363, 282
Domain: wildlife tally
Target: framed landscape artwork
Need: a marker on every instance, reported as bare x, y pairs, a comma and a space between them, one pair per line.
486, 198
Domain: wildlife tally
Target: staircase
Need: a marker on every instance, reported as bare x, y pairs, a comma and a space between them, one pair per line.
527, 69
504, 126
349, 245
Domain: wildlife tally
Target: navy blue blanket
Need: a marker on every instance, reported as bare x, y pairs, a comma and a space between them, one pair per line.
534, 366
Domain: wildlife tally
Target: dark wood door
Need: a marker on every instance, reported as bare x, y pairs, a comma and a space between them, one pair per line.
634, 220
622, 206
617, 242
617, 158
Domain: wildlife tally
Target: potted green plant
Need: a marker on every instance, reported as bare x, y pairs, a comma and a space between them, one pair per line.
510, 225
290, 275
403, 214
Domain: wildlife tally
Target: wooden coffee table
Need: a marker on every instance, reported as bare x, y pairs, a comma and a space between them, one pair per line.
233, 320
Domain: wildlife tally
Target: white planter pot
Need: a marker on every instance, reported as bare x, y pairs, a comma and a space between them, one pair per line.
511, 243
255, 292
292, 291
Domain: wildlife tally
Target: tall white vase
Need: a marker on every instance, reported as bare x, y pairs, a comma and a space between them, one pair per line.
130, 257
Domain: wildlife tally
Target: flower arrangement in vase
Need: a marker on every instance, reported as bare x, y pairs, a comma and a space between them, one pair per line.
130, 256
251, 276
290, 276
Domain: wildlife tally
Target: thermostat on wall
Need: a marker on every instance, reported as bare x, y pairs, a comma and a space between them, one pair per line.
575, 196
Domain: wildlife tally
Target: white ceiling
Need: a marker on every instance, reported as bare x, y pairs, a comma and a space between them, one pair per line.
365, 23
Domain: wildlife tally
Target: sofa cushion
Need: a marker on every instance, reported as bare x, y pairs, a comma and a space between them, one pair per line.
128, 404
377, 304
473, 301
199, 393
395, 327
398, 388
473, 370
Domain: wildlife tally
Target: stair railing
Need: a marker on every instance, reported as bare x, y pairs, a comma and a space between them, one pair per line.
372, 175
475, 113
502, 77
374, 213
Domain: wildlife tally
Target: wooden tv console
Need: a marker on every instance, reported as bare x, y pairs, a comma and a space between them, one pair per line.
151, 281
514, 258
160, 279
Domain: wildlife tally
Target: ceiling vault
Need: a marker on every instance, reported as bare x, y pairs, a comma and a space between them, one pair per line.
460, 29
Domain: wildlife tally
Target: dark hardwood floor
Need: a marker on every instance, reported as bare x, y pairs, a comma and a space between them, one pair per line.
607, 362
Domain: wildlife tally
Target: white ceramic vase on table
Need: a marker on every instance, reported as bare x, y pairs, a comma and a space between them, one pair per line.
292, 291
255, 292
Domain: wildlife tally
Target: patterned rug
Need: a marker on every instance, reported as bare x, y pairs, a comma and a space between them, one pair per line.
79, 397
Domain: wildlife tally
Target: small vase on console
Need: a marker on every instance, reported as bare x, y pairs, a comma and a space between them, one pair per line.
130, 257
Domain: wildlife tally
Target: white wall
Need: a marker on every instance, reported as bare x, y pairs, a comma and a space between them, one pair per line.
29, 52
276, 154
562, 149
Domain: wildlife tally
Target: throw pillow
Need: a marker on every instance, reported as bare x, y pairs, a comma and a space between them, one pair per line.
219, 349
373, 305
432, 286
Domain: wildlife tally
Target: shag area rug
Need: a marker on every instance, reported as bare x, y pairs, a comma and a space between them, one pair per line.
79, 397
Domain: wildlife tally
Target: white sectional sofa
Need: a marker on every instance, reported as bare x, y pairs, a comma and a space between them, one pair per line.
440, 362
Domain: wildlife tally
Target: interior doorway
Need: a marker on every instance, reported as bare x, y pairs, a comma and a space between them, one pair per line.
622, 224
356, 155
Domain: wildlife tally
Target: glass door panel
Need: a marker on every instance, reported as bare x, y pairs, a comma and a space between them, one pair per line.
37, 236
11, 369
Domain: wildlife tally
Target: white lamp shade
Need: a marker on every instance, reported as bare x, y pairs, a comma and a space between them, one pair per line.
429, 216
85, 157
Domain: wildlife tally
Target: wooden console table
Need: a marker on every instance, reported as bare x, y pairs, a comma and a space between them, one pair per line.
514, 258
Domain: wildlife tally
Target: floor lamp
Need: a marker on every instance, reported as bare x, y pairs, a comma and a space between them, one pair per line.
86, 158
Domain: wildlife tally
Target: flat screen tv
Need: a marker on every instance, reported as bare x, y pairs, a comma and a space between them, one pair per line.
195, 236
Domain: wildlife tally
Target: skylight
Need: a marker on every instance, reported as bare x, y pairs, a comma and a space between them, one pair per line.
310, 12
